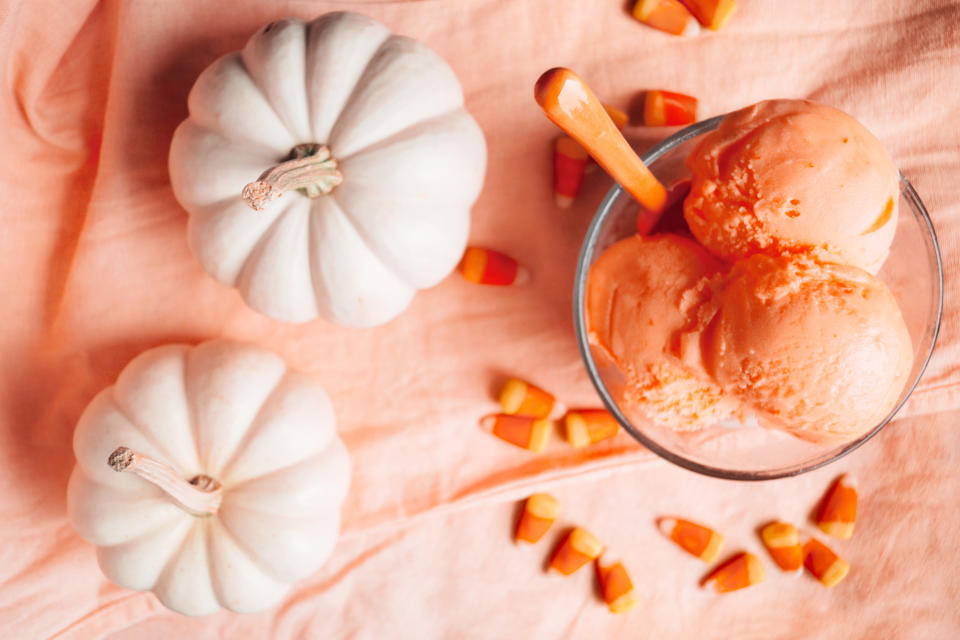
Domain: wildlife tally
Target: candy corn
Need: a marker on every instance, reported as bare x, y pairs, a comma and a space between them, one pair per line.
615, 584
619, 116
577, 549
569, 165
666, 15
700, 541
783, 543
713, 14
838, 509
539, 512
668, 109
522, 398
739, 572
823, 563
586, 426
671, 219
524, 431
647, 220
485, 266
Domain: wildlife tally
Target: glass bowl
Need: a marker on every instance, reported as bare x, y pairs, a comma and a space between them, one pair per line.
745, 451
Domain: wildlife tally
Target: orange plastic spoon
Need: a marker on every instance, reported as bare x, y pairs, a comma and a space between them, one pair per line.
572, 106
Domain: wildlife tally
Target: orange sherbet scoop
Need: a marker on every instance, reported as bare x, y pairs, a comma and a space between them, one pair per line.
820, 350
642, 295
573, 107
786, 176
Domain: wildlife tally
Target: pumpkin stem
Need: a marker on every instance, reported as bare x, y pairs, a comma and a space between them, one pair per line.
200, 496
309, 168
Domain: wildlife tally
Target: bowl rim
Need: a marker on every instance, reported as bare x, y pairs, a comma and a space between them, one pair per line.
587, 250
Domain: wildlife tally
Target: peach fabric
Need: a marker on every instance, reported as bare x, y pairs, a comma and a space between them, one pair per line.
94, 268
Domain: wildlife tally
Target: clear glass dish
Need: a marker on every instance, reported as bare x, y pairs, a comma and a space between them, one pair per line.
730, 449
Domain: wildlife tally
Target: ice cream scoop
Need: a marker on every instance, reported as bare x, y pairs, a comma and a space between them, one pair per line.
817, 349
793, 175
644, 292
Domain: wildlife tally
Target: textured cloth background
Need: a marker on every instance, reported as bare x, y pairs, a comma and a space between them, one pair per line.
94, 268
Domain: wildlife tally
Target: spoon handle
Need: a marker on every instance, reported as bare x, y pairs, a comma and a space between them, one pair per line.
572, 106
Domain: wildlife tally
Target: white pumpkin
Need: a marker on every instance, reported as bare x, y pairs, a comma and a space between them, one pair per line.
252, 470
381, 206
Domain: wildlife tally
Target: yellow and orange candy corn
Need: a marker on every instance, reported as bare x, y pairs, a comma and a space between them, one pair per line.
823, 563
739, 572
838, 509
619, 116
697, 540
486, 266
783, 542
586, 426
666, 15
616, 586
671, 220
569, 167
668, 109
539, 512
526, 432
518, 397
576, 549
713, 14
